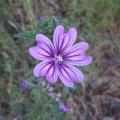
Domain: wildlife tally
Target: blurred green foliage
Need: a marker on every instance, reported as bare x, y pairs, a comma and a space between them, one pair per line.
45, 26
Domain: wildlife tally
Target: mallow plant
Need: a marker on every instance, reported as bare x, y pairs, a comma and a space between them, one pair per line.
58, 56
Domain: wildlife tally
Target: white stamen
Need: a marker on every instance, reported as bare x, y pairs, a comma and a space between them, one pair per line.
58, 58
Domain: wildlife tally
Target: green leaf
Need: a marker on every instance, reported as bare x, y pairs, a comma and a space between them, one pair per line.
28, 36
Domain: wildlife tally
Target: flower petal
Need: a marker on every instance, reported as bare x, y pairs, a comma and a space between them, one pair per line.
63, 41
69, 74
69, 39
41, 52
73, 35
58, 35
76, 56
46, 69
42, 39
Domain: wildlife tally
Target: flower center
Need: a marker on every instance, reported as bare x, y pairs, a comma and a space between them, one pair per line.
58, 58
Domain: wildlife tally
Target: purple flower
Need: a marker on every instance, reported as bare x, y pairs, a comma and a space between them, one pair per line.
58, 96
14, 118
58, 59
41, 83
40, 18
50, 89
63, 107
24, 85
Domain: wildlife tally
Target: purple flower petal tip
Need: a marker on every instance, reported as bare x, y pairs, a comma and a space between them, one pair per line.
59, 59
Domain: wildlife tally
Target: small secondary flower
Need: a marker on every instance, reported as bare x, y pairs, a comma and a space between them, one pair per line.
14, 118
59, 59
24, 85
58, 96
40, 18
63, 107
50, 89
42, 84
